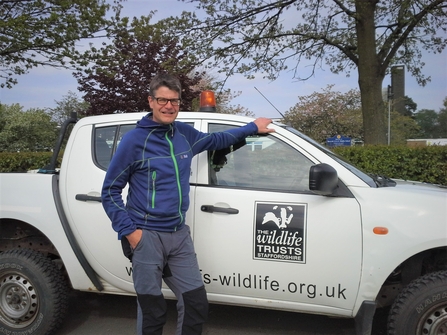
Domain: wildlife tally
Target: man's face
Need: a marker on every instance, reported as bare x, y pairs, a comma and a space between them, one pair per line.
164, 114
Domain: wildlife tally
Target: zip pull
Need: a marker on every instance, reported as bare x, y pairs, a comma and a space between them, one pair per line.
154, 177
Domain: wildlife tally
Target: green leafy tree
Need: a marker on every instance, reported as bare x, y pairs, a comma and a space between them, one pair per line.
119, 78
427, 120
402, 128
431, 123
368, 36
325, 114
44, 32
30, 130
410, 106
442, 121
70, 103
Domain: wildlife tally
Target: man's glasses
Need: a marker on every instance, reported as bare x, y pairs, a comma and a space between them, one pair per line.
164, 101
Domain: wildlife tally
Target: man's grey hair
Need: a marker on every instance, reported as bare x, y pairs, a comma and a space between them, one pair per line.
166, 80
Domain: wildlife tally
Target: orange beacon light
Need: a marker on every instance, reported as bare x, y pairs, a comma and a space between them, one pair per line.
207, 101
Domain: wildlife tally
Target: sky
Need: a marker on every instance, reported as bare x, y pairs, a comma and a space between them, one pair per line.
43, 86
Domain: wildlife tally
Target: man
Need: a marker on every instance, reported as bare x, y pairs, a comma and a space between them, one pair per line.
155, 160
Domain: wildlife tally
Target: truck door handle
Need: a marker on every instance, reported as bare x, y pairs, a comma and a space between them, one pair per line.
86, 197
212, 209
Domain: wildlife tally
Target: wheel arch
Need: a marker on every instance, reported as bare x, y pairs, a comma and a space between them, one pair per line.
421, 307
19, 234
420, 264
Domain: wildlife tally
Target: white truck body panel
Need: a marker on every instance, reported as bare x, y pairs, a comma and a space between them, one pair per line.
36, 207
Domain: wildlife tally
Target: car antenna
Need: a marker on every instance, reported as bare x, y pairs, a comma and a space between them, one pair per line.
269, 102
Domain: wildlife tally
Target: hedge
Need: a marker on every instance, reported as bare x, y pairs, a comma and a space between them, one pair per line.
425, 164
24, 161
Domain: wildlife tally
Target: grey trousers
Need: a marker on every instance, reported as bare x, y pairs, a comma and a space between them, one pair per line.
169, 257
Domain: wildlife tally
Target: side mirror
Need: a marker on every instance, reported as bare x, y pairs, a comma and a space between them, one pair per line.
323, 179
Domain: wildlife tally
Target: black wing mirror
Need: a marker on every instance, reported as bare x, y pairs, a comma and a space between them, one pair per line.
323, 179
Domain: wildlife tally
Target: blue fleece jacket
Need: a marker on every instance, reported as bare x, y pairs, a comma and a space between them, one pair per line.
155, 160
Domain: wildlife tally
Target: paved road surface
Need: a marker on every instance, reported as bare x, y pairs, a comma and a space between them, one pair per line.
93, 314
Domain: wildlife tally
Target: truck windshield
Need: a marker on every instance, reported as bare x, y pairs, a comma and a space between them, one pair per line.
362, 175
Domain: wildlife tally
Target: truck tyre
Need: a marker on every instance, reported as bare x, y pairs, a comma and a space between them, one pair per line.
421, 308
33, 293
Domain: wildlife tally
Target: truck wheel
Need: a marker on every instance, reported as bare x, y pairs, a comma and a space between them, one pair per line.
421, 308
33, 293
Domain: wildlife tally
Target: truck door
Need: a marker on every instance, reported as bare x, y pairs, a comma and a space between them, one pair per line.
89, 158
82, 190
263, 238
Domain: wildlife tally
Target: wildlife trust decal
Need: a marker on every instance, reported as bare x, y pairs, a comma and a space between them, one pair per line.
280, 232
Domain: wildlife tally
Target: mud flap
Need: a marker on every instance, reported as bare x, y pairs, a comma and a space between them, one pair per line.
364, 318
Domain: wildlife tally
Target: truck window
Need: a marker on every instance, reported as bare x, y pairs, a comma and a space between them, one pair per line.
105, 142
262, 162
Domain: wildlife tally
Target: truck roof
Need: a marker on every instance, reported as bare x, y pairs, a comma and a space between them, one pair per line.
120, 117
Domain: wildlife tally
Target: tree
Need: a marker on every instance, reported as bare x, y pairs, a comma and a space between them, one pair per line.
326, 114
70, 103
442, 121
432, 124
427, 119
367, 35
30, 130
223, 97
119, 78
402, 128
410, 106
44, 32
223, 103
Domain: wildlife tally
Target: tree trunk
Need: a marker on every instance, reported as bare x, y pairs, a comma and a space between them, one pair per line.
371, 74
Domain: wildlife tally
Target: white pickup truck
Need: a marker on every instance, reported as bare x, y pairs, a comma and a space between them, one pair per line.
279, 222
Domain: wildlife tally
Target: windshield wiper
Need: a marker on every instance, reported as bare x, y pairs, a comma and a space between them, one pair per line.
382, 181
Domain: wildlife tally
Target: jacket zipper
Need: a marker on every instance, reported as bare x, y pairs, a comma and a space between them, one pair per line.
177, 177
